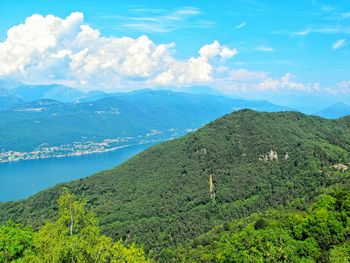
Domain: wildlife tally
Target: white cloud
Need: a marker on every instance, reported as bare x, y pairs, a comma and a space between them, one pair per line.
226, 52
243, 80
304, 32
264, 49
216, 50
195, 69
286, 82
328, 30
342, 87
244, 75
338, 44
180, 73
159, 20
47, 49
241, 25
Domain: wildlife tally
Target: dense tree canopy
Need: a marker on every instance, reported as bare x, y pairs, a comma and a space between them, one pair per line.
74, 237
317, 234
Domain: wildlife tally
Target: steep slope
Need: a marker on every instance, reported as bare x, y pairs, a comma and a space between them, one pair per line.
334, 111
162, 196
316, 232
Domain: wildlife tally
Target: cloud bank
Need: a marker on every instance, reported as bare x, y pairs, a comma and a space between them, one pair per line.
48, 49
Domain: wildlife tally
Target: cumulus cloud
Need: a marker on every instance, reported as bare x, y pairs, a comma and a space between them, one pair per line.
286, 82
216, 50
51, 49
195, 69
243, 80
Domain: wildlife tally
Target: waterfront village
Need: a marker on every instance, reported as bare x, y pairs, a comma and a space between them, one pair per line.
84, 147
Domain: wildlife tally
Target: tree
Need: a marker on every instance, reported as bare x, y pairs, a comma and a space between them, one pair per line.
74, 237
14, 241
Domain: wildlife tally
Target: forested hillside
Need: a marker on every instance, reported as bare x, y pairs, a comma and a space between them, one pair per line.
128, 117
318, 233
243, 163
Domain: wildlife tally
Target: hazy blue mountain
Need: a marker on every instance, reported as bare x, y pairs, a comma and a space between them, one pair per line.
13, 93
134, 114
19, 92
202, 90
7, 99
9, 84
54, 92
94, 95
335, 111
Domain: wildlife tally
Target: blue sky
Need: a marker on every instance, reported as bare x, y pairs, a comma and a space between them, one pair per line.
290, 52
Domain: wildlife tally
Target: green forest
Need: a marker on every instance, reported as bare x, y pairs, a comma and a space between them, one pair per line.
248, 187
319, 233
74, 237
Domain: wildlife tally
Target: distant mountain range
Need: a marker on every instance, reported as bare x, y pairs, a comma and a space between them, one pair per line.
8, 99
126, 118
16, 95
54, 92
335, 111
37, 118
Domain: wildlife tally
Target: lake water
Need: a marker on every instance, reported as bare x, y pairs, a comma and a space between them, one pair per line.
24, 178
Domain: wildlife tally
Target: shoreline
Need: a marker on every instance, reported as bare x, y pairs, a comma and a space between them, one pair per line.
72, 154
113, 149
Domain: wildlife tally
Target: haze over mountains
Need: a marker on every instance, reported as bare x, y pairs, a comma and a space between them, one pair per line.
335, 111
55, 121
19, 93
16, 93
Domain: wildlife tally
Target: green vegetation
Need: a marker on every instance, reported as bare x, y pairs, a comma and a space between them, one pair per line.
74, 237
318, 234
259, 161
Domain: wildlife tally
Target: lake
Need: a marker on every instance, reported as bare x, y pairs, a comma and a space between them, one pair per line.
24, 178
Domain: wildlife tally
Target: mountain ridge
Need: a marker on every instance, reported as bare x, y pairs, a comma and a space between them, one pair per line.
28, 125
335, 111
161, 197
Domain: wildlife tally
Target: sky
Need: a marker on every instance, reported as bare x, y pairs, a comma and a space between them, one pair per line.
294, 53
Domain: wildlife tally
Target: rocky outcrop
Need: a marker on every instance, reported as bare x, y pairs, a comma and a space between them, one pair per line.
272, 155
